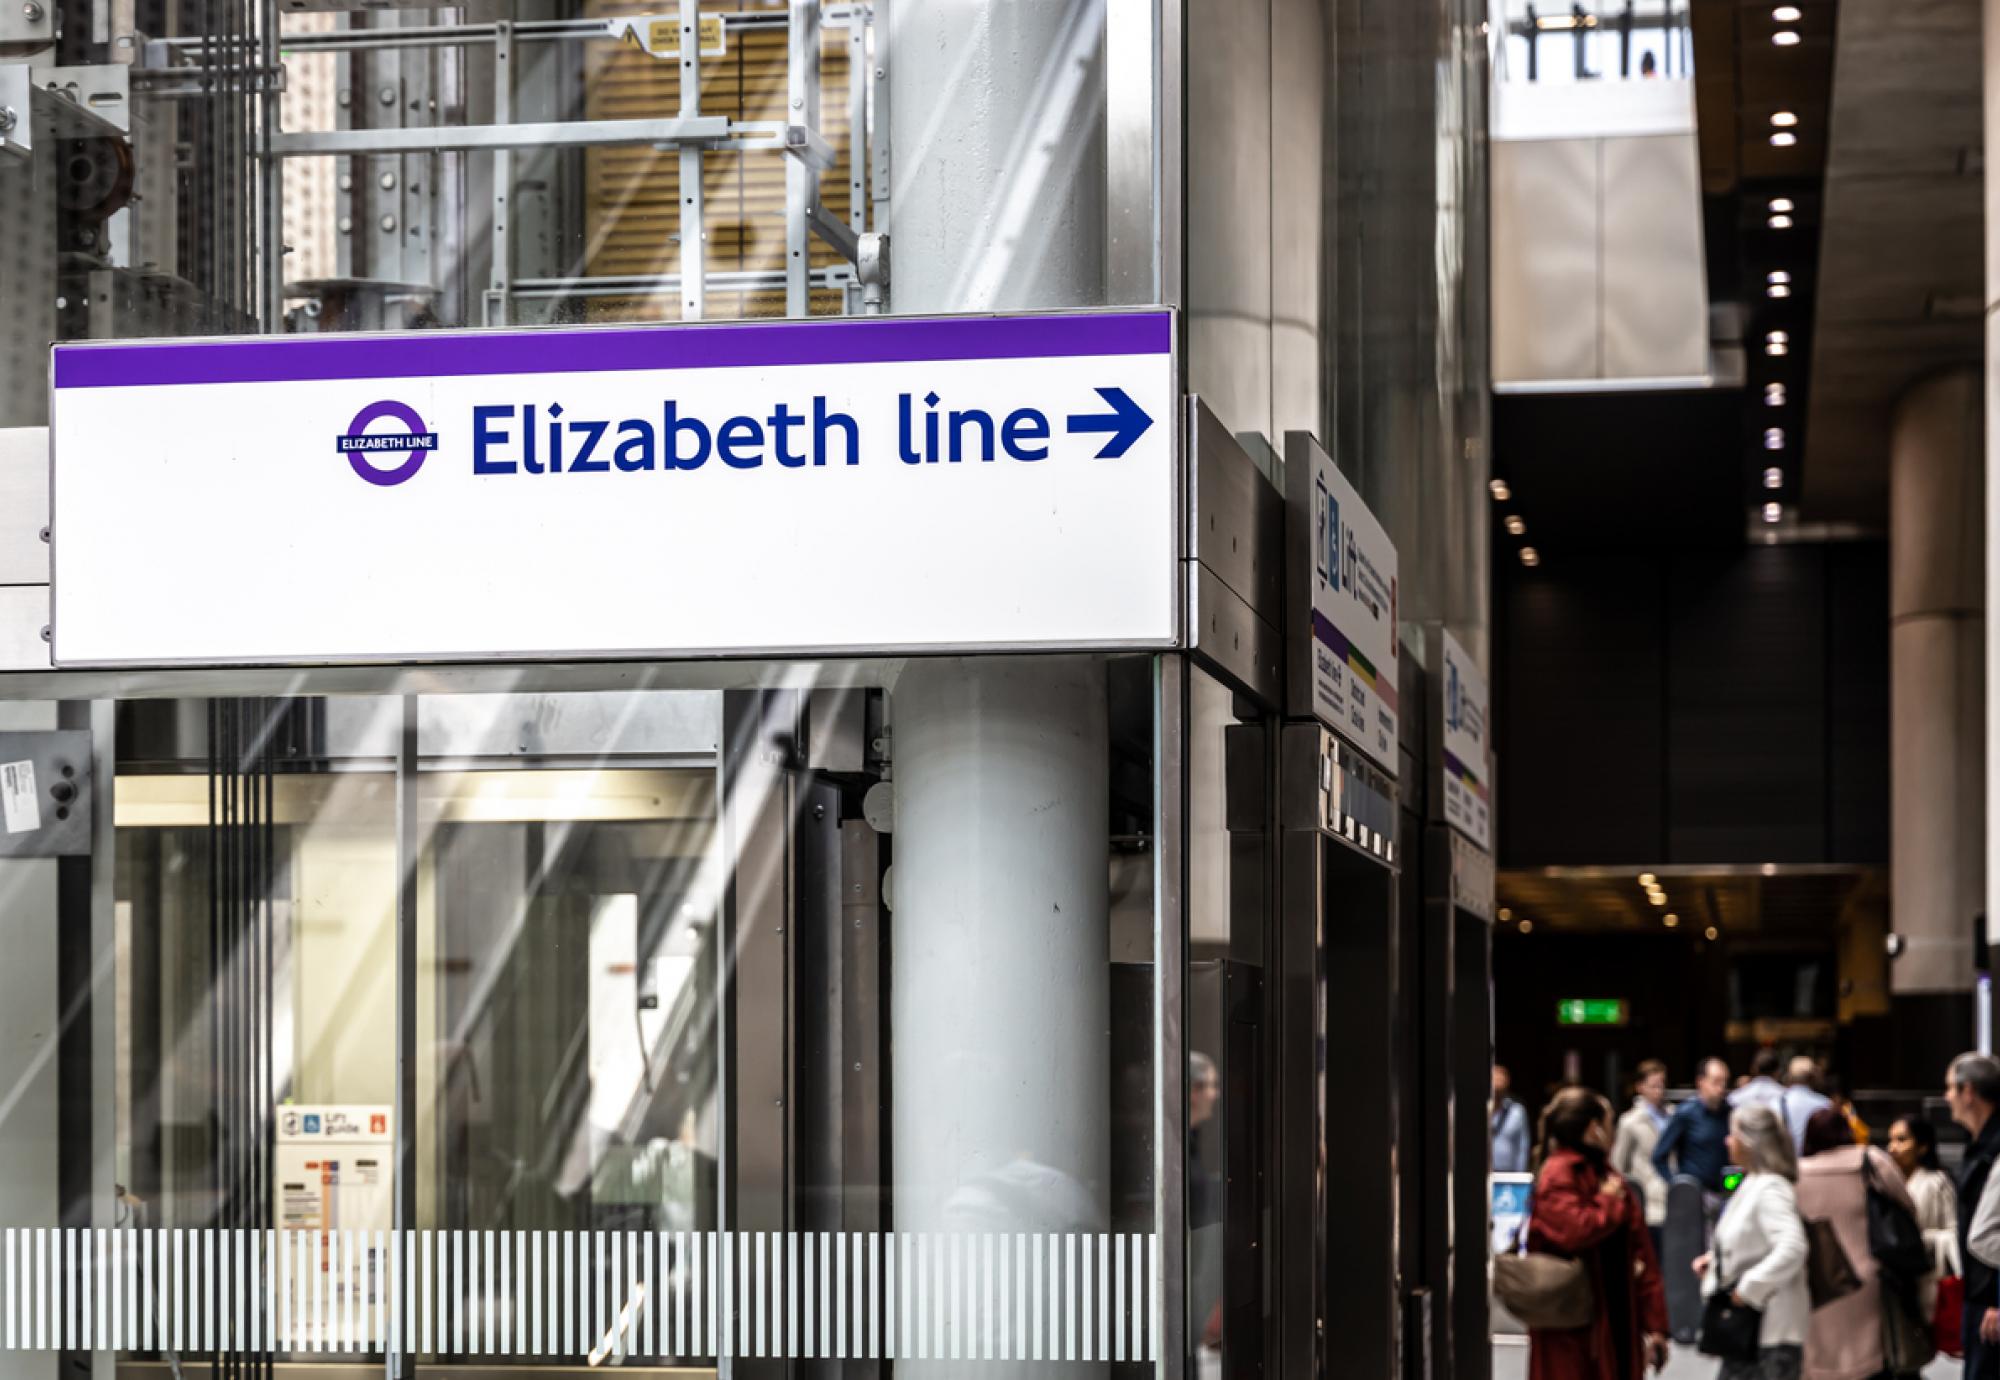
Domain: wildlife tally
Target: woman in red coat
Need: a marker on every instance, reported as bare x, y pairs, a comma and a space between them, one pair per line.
1584, 1211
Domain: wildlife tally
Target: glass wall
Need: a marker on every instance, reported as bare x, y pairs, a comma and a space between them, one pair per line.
231, 167
796, 1012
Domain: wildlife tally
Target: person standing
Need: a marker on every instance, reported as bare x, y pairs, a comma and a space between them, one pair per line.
1802, 1097
1760, 1247
1844, 1338
1638, 1132
1763, 1089
1693, 1141
1913, 1146
1510, 1127
1584, 1211
1972, 1088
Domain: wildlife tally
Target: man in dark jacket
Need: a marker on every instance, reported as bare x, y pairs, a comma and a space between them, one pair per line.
1972, 1087
1693, 1143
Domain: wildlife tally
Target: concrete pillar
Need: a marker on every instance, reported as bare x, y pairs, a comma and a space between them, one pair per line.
1937, 628
1000, 901
1000, 888
996, 117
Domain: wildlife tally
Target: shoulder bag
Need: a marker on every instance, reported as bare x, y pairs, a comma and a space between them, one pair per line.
1544, 1291
1729, 1330
1829, 1273
1907, 1343
1894, 1238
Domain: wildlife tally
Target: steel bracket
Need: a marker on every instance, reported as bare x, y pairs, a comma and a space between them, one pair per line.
45, 796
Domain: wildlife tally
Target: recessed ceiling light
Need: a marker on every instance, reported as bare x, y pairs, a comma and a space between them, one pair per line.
1777, 292
1784, 119
1505, 913
1672, 920
1784, 139
1774, 438
1515, 527
1777, 275
1530, 556
1527, 927
1774, 478
1774, 395
1787, 14
1498, 488
1647, 879
1786, 38
1782, 203
1779, 222
1658, 898
1773, 512
1710, 932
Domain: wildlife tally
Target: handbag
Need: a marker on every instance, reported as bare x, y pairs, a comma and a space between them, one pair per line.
1544, 1291
1949, 1316
1729, 1330
1894, 1238
1829, 1273
1907, 1345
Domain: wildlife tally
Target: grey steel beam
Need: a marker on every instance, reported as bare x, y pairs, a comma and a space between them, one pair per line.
501, 273
801, 180
833, 231
712, 130
694, 211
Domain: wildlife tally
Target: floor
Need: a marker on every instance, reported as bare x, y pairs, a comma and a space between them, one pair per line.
1510, 1362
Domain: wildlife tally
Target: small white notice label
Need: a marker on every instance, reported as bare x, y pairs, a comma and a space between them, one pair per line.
18, 802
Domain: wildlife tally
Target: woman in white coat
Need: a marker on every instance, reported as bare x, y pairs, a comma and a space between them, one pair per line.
1760, 1246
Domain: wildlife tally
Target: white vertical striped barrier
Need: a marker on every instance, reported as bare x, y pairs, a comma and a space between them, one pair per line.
1004, 1296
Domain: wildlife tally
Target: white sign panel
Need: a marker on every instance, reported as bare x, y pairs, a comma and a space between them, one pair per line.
767, 488
1468, 775
335, 1172
334, 1166
1354, 667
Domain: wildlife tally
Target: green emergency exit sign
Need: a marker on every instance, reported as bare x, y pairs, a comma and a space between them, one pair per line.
1590, 1011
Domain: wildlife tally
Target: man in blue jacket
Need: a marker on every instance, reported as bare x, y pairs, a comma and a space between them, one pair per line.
1692, 1146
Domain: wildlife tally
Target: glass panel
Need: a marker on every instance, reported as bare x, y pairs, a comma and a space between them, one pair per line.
333, 165
811, 1017
1230, 793
1606, 40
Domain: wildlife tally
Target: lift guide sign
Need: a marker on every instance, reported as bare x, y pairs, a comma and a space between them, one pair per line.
1468, 805
1353, 639
833, 486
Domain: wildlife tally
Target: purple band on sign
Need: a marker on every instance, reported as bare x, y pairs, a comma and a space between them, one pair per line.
375, 411
736, 345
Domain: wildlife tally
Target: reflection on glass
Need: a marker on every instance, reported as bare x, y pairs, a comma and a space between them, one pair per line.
813, 1019
1605, 40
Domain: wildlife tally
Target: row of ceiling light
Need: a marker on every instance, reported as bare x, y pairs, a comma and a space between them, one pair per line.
1516, 525
1778, 281
1657, 895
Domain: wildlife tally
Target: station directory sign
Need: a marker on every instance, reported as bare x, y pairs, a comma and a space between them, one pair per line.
1345, 643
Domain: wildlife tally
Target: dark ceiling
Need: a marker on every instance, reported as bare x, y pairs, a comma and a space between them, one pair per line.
1596, 470
1742, 902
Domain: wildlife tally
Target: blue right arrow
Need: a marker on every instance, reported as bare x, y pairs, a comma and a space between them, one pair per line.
1126, 423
